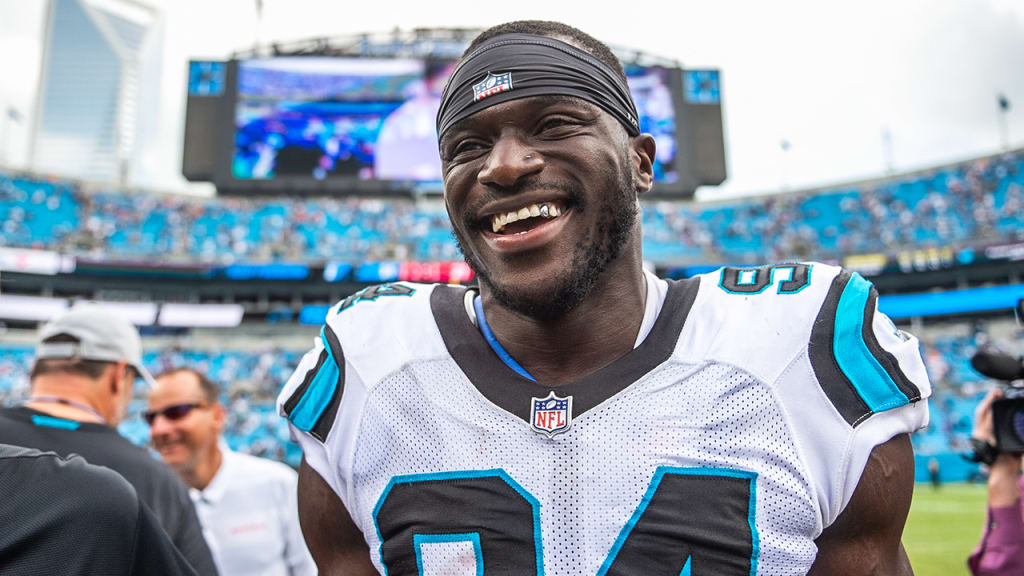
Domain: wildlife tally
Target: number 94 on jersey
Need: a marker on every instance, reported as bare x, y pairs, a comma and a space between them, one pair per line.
690, 522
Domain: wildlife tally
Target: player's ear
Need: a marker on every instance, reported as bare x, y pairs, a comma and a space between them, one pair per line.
642, 153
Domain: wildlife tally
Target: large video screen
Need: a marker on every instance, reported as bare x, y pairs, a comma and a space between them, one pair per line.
374, 119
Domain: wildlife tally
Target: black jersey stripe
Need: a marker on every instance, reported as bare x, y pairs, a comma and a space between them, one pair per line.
314, 404
323, 424
839, 389
300, 391
884, 357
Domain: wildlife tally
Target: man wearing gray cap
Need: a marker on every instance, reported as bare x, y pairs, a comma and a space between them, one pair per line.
87, 361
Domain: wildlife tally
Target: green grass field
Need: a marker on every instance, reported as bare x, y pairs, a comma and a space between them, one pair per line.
944, 527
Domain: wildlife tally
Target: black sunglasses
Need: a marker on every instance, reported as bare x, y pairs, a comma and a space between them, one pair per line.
176, 412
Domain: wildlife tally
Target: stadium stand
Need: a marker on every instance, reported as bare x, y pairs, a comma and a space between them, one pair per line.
970, 203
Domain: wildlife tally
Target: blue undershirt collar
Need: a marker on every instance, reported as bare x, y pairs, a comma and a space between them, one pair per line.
509, 361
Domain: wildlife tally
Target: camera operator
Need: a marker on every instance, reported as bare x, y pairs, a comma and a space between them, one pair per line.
1001, 550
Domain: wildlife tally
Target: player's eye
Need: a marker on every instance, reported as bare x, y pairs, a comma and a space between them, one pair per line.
557, 125
465, 148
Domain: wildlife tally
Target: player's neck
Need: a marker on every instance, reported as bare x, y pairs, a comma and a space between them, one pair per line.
598, 331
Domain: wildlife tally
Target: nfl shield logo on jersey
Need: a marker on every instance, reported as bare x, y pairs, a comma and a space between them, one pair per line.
550, 415
492, 84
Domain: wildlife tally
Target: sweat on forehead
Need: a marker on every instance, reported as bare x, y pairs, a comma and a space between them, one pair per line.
513, 66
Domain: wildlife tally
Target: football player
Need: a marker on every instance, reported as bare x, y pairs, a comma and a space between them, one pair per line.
576, 414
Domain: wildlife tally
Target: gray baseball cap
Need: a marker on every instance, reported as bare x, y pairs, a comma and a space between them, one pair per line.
102, 335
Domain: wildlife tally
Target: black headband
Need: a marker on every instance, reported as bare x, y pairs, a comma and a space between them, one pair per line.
513, 66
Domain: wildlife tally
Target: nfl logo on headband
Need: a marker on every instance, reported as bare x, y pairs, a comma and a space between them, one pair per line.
550, 415
492, 84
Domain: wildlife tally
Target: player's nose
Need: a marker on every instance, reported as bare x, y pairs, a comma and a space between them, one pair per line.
510, 160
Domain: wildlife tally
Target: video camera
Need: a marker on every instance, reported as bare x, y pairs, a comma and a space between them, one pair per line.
1007, 413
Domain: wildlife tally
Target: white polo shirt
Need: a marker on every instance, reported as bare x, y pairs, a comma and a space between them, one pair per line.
250, 518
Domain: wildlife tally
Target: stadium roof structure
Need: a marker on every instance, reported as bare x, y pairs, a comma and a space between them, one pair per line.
439, 43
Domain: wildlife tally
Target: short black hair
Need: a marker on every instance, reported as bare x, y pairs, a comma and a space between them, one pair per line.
585, 41
209, 389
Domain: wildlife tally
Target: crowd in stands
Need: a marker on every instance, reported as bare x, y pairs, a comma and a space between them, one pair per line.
252, 379
972, 203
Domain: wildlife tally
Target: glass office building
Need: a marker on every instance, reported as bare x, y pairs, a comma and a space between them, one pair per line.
96, 59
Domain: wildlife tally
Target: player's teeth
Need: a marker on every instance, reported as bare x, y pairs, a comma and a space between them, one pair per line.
499, 221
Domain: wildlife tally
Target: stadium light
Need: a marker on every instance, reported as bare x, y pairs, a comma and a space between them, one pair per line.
201, 315
30, 308
138, 313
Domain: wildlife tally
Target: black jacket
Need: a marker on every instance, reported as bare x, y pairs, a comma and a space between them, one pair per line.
154, 482
66, 517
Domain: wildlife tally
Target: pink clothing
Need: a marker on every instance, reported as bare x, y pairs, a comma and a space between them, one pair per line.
1001, 550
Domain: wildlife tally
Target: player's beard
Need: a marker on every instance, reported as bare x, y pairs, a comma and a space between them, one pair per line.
617, 208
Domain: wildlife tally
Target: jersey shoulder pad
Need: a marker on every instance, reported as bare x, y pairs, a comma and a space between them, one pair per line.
771, 314
861, 360
383, 327
758, 318
365, 337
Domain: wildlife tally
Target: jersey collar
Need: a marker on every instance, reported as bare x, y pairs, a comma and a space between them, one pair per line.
512, 392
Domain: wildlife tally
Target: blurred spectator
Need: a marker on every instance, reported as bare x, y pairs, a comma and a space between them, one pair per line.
247, 505
93, 521
86, 363
1001, 550
934, 473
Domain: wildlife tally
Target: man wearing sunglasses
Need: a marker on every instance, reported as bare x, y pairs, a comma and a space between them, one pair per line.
87, 361
247, 505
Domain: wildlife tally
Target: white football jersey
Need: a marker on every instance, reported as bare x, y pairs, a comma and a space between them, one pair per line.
723, 444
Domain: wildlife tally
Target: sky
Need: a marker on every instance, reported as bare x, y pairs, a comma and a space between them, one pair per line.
830, 78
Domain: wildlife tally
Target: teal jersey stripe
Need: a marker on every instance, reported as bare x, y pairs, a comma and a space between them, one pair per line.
51, 422
418, 540
319, 393
873, 383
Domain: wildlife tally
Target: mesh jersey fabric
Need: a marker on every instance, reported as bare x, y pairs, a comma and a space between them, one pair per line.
736, 394
101, 445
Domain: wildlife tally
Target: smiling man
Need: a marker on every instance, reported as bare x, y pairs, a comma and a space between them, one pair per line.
247, 505
576, 414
